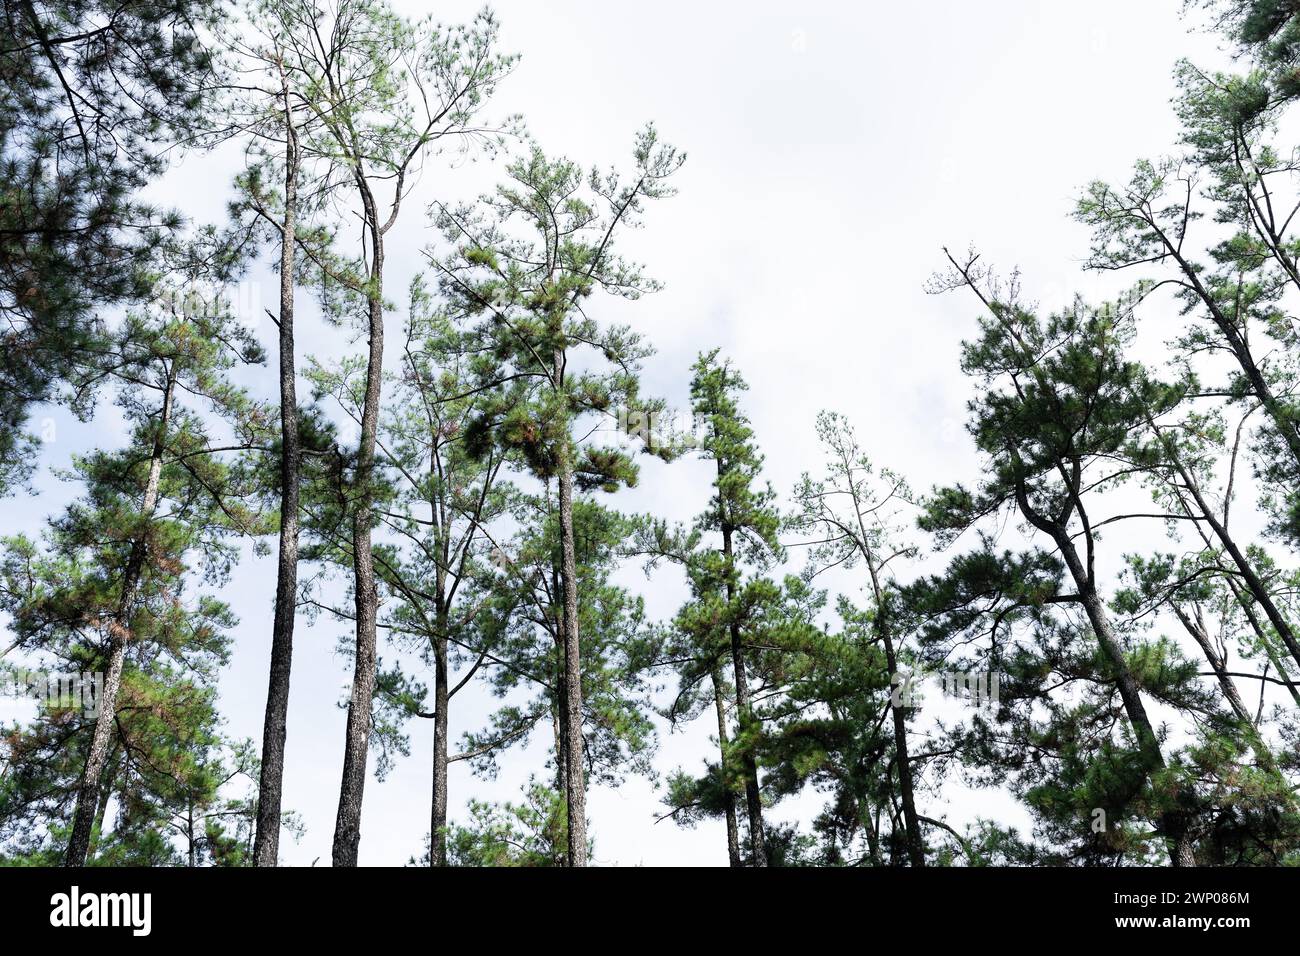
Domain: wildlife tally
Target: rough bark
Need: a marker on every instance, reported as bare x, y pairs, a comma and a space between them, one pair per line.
105, 794
347, 826
83, 819
275, 726
575, 779
438, 820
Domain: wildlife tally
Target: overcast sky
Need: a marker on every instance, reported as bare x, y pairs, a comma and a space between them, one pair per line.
833, 150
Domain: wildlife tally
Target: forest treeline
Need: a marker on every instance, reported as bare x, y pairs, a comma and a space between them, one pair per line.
449, 490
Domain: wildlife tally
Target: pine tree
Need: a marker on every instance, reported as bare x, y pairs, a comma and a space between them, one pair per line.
525, 264
95, 92
1059, 400
385, 93
115, 565
617, 735
854, 512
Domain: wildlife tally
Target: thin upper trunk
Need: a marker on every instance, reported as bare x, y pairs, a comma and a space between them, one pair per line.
1283, 419
915, 845
1196, 628
744, 711
906, 790
271, 785
729, 796
1265, 640
1247, 570
88, 791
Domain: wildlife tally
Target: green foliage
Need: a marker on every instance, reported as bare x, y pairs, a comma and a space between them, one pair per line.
94, 93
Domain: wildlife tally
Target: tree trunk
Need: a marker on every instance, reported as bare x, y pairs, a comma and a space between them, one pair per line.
915, 844
1265, 641
744, 713
1174, 822
438, 821
106, 794
270, 789
575, 782
347, 827
1253, 582
1282, 418
912, 823
733, 826
1196, 628
83, 820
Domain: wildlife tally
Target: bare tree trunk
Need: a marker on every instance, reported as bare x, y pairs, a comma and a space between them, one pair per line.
438, 822
347, 827
557, 731
575, 787
906, 790
733, 825
270, 791
873, 831
83, 820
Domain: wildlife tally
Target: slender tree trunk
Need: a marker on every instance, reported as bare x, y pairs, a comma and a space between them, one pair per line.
744, 712
873, 833
83, 820
106, 794
575, 779
733, 825
347, 827
1283, 419
1265, 641
906, 790
1174, 823
1257, 589
1196, 628
270, 791
912, 824
557, 730
438, 822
